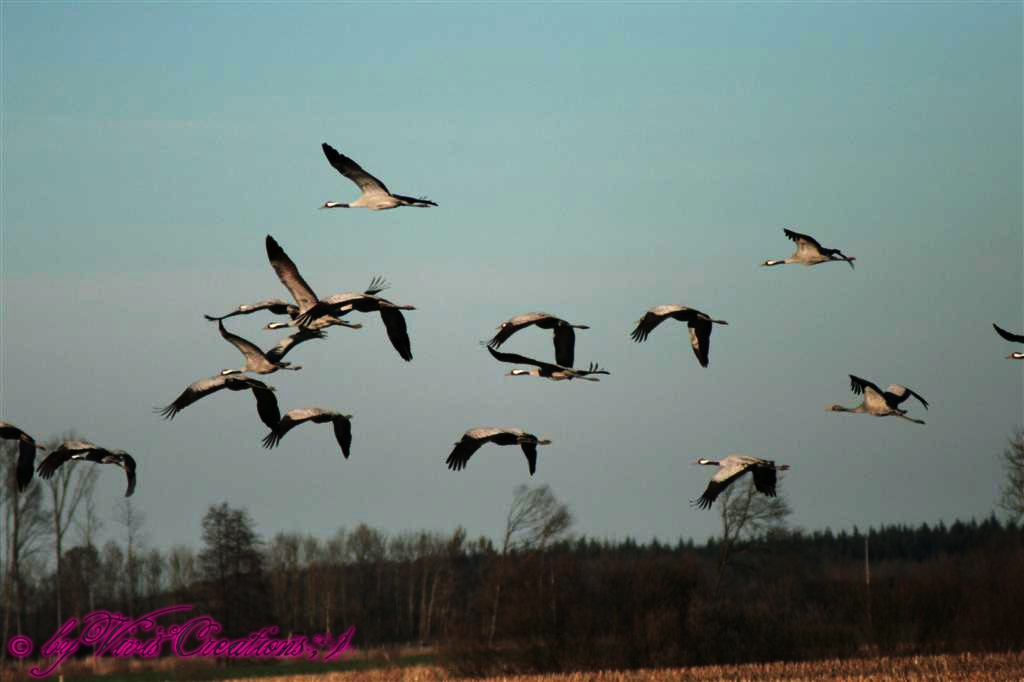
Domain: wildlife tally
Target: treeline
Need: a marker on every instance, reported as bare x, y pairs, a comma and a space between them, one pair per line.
538, 602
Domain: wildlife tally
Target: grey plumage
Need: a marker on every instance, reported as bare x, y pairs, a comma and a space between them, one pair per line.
78, 450
473, 439
390, 314
810, 252
546, 370
342, 426
879, 403
564, 336
255, 359
375, 196
731, 468
698, 324
266, 402
292, 280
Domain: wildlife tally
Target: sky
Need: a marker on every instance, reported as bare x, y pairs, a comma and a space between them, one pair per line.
590, 160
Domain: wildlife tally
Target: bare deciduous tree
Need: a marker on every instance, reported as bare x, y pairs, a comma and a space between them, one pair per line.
746, 515
153, 574
24, 522
181, 572
89, 525
535, 518
70, 485
132, 519
1012, 499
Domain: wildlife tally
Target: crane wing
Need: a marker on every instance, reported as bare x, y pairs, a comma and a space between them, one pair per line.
194, 391
277, 353
128, 464
245, 347
897, 394
565, 345
377, 285
266, 403
463, 450
394, 324
646, 324
48, 467
286, 423
1009, 336
516, 359
511, 326
700, 340
765, 479
723, 478
288, 273
26, 462
343, 433
353, 171
803, 241
530, 450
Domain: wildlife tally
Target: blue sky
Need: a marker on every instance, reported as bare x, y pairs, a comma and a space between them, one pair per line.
590, 160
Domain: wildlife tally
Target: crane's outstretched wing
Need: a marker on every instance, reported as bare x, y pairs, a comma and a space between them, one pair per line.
765, 479
803, 241
565, 345
462, 451
516, 359
723, 478
244, 346
860, 386
26, 462
128, 464
266, 403
192, 393
898, 394
509, 327
377, 285
1009, 336
700, 340
289, 421
394, 324
289, 275
353, 171
277, 353
530, 450
55, 460
343, 433
645, 325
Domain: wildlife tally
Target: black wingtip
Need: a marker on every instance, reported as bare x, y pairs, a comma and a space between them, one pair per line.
166, 412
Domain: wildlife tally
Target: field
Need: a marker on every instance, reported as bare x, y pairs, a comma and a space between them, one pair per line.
973, 667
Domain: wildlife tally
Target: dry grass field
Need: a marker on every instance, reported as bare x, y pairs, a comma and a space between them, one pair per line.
961, 667
954, 668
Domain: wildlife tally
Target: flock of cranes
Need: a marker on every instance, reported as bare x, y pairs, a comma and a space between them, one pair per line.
310, 316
